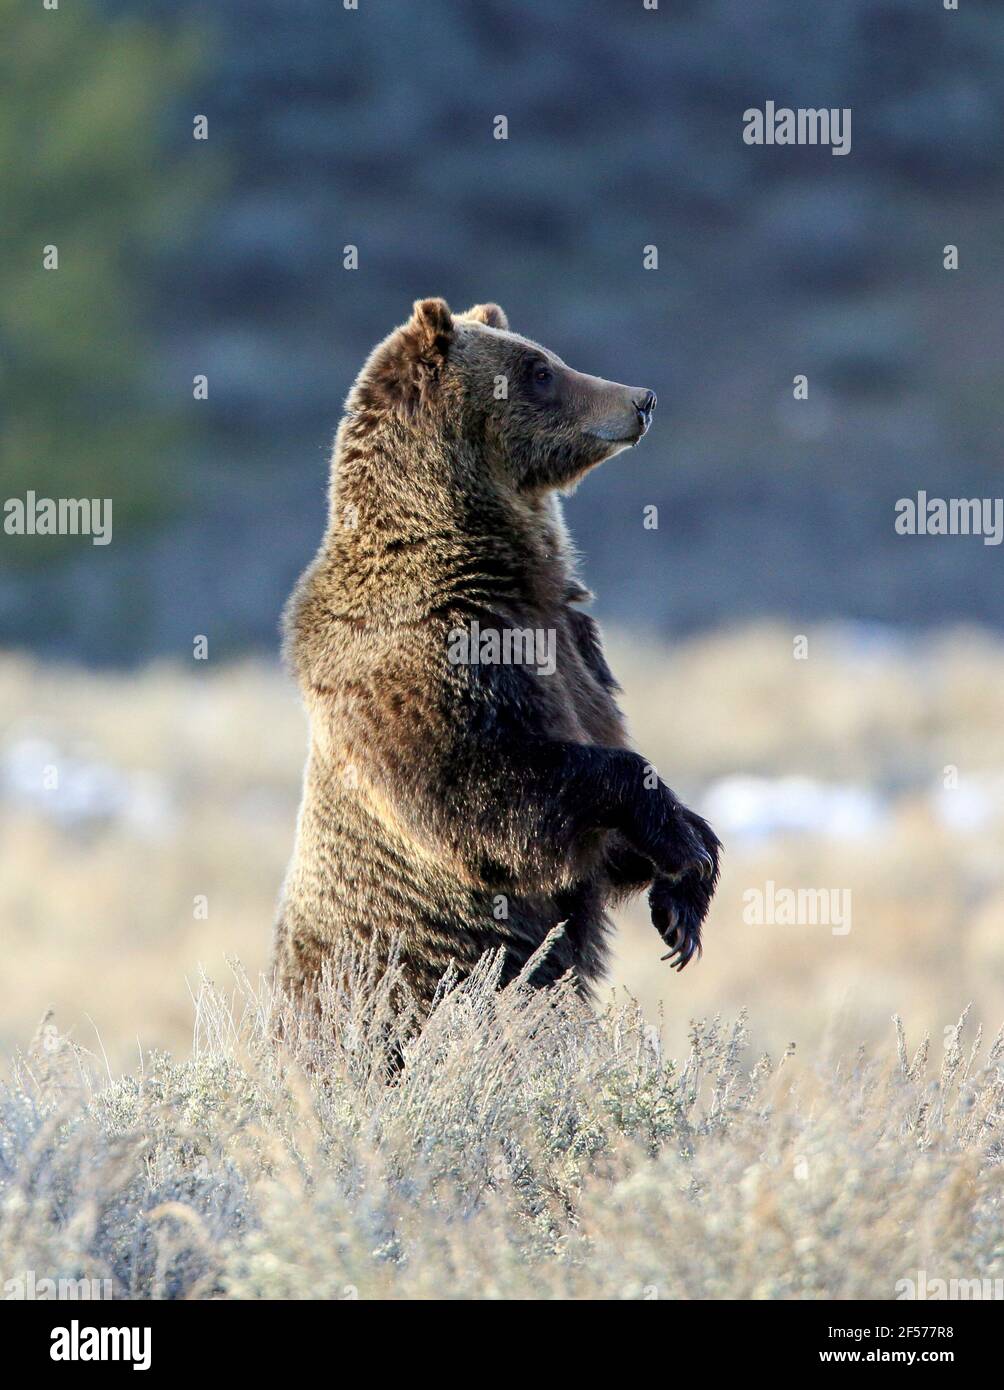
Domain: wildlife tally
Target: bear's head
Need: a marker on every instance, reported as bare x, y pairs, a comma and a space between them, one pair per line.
535, 422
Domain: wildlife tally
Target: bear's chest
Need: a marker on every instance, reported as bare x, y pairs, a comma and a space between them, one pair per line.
572, 689
587, 691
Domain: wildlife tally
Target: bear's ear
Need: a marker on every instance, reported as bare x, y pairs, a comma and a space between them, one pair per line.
405, 369
490, 314
428, 333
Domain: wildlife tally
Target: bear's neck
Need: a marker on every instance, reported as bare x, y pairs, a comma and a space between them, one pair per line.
419, 527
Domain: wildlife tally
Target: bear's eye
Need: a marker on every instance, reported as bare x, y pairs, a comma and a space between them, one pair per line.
542, 374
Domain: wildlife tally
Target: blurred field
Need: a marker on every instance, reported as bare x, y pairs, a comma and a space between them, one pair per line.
162, 847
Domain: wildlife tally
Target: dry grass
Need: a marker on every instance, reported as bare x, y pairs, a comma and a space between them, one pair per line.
526, 1149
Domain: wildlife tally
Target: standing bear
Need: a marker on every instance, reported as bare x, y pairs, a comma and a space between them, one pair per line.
469, 784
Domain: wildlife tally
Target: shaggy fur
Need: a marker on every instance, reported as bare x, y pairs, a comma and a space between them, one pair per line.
466, 807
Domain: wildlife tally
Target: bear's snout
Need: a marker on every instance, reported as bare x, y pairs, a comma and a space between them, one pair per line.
620, 414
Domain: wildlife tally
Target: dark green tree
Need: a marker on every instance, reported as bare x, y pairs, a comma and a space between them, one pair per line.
98, 161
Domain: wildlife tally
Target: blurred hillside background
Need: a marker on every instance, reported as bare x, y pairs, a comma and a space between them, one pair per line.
330, 127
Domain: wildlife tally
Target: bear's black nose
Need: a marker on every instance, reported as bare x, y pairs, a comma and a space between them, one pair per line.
644, 407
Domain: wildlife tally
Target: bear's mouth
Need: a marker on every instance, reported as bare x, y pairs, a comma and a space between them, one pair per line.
613, 432
606, 435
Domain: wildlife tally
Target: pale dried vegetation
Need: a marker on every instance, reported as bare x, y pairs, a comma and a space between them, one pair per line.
518, 1146
528, 1146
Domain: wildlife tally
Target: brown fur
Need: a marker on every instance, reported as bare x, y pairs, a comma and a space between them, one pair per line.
469, 807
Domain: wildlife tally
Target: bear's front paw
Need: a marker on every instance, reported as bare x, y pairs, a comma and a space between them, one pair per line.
677, 913
679, 902
689, 847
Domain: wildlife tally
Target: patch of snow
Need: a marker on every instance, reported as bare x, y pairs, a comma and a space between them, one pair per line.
757, 808
975, 803
76, 791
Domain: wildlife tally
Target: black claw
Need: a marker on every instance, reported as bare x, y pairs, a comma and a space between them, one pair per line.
679, 944
684, 948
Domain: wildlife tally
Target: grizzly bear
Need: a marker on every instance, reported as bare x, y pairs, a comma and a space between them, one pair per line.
469, 784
